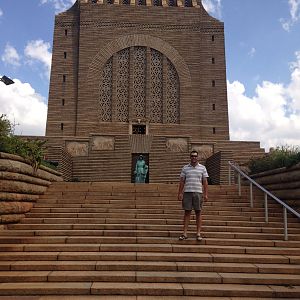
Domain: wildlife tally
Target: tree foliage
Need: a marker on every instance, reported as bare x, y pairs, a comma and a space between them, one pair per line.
31, 150
283, 156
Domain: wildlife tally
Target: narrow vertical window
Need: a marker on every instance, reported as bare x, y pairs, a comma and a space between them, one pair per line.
63, 102
65, 55
61, 126
212, 60
64, 78
212, 38
214, 106
213, 83
214, 130
66, 32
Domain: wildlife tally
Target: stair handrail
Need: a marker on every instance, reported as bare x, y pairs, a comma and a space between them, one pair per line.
285, 206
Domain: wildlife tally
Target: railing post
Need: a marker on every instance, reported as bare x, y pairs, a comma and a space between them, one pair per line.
239, 184
285, 224
266, 209
251, 194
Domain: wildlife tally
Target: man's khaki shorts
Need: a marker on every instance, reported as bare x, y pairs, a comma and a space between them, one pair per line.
192, 201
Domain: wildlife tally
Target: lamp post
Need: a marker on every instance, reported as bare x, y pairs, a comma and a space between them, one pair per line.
6, 80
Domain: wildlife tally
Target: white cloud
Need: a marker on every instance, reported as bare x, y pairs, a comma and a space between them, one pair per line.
59, 5
1, 12
25, 107
213, 7
39, 51
294, 86
11, 56
252, 52
294, 13
272, 116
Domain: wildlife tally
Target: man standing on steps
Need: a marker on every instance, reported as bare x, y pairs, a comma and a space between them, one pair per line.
193, 191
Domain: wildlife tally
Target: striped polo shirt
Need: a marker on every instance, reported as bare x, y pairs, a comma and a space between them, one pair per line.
193, 177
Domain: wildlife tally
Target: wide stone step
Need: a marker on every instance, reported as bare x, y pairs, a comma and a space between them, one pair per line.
151, 289
149, 266
131, 230
148, 256
149, 276
158, 248
131, 236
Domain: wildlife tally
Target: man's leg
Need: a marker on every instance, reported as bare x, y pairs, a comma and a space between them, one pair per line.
198, 221
186, 221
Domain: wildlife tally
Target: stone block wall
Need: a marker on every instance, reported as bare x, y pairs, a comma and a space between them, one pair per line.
284, 183
20, 186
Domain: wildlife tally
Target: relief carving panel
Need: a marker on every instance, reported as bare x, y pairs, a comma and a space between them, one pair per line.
77, 148
177, 145
204, 150
103, 143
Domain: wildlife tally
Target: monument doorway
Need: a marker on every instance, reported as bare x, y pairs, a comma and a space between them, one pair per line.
134, 159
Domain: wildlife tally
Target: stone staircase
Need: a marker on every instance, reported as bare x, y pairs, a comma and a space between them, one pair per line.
100, 240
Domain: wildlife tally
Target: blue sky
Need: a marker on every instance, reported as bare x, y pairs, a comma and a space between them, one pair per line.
262, 40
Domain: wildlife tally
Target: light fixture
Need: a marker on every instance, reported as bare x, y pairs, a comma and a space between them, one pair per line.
6, 80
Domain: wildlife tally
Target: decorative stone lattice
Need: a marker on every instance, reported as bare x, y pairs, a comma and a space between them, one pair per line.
172, 94
122, 84
159, 101
156, 87
105, 93
139, 81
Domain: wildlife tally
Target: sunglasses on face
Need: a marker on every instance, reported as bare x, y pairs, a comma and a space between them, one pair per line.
192, 156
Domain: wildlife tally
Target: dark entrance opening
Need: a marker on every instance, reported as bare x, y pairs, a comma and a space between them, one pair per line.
135, 157
138, 129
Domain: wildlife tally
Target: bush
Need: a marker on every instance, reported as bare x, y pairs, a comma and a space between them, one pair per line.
31, 150
284, 156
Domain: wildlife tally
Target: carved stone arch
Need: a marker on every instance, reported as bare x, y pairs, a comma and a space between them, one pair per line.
158, 44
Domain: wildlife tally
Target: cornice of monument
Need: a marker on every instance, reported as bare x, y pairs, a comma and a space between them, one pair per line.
205, 28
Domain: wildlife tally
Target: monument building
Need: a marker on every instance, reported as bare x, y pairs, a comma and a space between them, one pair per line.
139, 77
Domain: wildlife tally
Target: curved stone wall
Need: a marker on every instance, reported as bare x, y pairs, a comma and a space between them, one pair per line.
20, 186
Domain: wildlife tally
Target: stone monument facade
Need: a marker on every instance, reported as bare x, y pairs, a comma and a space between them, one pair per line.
136, 76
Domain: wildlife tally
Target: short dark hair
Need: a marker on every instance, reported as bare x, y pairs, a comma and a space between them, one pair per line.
194, 151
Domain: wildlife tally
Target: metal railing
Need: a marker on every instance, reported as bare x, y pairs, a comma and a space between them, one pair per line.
286, 208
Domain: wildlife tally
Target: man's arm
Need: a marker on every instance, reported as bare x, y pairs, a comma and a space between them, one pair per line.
180, 190
205, 189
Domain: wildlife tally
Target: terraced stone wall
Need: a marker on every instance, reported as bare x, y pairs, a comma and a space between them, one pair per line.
20, 186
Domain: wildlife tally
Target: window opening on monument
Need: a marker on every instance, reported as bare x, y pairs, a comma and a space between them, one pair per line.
214, 130
138, 129
212, 38
157, 3
141, 2
212, 60
63, 102
66, 32
188, 3
214, 106
61, 126
172, 2
64, 78
126, 2
65, 55
213, 83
